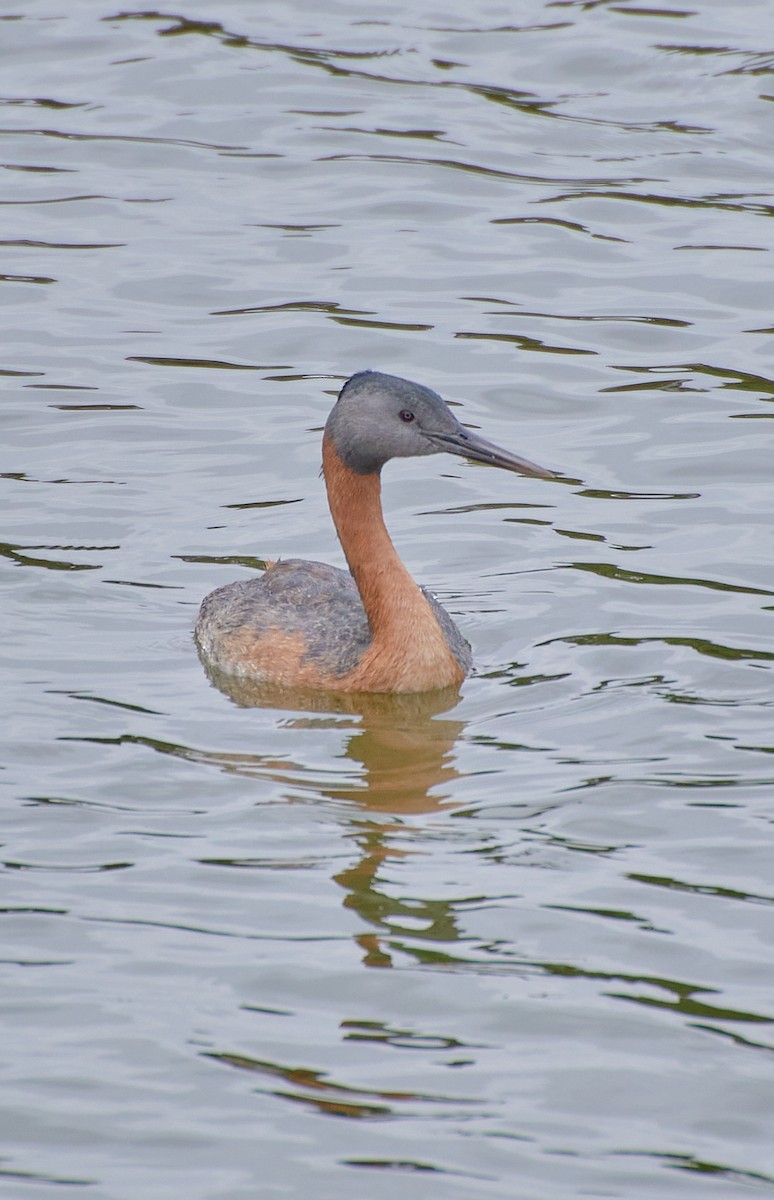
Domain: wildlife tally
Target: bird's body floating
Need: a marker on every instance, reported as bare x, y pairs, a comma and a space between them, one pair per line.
372, 629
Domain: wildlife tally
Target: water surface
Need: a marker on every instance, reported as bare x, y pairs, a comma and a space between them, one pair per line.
516, 943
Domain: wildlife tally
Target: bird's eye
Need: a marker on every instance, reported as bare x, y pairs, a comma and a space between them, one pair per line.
406, 416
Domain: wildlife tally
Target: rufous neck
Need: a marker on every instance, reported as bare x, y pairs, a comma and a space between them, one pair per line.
386, 588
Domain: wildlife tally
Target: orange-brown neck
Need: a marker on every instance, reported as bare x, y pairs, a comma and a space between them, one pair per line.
409, 651
385, 585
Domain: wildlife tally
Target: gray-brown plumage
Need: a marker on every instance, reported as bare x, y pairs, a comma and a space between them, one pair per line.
370, 629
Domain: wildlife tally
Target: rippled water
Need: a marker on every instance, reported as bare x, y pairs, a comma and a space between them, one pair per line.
514, 944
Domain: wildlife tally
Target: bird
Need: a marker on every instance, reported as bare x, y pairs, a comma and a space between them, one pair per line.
370, 629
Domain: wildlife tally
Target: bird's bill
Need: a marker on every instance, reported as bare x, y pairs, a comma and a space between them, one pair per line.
470, 445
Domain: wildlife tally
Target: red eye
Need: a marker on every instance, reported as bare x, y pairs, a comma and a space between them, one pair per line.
406, 416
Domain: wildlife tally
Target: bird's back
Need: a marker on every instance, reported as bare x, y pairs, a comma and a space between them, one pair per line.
298, 600
317, 601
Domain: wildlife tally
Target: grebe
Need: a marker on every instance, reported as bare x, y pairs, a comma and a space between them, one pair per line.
372, 629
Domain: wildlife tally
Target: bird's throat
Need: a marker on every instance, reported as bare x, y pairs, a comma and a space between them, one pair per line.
409, 651
389, 594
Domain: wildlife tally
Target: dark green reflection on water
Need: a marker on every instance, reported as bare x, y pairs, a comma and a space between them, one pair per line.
700, 202
16, 554
741, 381
700, 889
689, 1162
611, 571
680, 999
306, 1085
700, 645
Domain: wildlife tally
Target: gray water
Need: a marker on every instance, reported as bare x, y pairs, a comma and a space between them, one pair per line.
513, 944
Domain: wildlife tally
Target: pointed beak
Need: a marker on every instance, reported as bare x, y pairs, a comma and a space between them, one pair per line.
477, 449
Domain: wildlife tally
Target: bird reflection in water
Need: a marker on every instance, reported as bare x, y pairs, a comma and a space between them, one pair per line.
404, 747
369, 643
